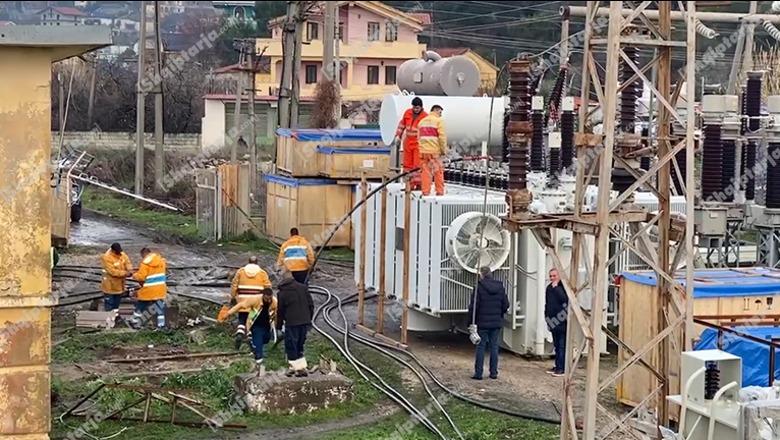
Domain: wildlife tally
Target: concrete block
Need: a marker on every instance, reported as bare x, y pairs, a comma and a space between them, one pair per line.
273, 392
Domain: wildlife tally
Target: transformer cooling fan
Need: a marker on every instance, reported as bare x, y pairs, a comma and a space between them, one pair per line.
475, 240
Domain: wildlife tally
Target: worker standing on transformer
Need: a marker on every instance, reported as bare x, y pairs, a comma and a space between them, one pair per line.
249, 281
407, 131
297, 255
433, 145
151, 277
116, 267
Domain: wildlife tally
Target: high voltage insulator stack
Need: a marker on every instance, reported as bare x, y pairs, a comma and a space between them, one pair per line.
537, 134
630, 93
518, 131
750, 164
719, 112
729, 161
773, 153
567, 133
753, 100
556, 96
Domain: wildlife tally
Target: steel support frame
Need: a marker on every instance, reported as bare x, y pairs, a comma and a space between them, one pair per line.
768, 249
675, 311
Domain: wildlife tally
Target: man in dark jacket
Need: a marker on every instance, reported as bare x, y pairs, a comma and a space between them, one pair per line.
294, 312
555, 311
486, 310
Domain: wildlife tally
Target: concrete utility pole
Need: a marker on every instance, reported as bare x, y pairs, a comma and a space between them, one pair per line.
61, 108
296, 68
140, 106
92, 84
288, 47
237, 108
253, 123
747, 63
330, 44
159, 153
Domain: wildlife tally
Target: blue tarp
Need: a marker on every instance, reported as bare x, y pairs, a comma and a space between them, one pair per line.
318, 134
294, 181
755, 356
336, 150
721, 282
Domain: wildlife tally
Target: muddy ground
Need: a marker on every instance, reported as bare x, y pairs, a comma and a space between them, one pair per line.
523, 383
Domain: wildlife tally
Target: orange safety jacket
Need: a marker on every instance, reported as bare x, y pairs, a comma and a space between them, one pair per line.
433, 139
249, 281
151, 275
296, 254
115, 269
254, 305
408, 127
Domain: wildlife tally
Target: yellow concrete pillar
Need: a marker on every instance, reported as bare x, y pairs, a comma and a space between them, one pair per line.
25, 219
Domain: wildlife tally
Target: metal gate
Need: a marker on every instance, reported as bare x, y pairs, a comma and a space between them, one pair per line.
222, 202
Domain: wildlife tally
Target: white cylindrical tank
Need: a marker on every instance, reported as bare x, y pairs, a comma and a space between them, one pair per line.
434, 75
468, 120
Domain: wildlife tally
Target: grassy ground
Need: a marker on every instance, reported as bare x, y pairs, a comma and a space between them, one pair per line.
215, 387
178, 225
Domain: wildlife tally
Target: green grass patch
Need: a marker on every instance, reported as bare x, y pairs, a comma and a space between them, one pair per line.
169, 223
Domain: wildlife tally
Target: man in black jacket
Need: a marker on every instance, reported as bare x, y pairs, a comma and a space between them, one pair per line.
488, 315
555, 311
294, 312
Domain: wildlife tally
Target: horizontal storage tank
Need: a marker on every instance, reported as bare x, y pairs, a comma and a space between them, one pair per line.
468, 120
434, 75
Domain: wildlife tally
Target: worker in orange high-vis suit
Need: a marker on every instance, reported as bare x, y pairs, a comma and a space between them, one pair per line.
407, 131
249, 281
151, 277
433, 145
116, 267
297, 256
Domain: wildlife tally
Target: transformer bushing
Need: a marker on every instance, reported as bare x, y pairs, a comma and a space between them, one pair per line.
518, 132
750, 165
627, 140
721, 123
537, 135
554, 165
753, 100
773, 154
567, 133
556, 95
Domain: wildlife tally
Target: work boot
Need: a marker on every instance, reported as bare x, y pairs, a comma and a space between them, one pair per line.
301, 373
239, 339
290, 372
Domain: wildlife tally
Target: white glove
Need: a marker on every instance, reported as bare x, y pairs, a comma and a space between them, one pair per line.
473, 335
273, 333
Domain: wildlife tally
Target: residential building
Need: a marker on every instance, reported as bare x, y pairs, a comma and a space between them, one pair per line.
61, 16
243, 11
375, 39
488, 72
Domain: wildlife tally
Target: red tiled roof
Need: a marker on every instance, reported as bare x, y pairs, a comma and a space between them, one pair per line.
66, 10
450, 51
422, 17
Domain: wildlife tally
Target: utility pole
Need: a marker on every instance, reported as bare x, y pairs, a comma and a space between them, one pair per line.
296, 83
237, 108
288, 47
140, 106
92, 83
331, 66
61, 109
252, 122
747, 63
159, 153
564, 49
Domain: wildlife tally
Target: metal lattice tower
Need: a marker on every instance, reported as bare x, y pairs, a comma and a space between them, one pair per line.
611, 30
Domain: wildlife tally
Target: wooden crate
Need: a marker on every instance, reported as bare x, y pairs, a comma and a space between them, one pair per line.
351, 163
314, 206
638, 305
296, 150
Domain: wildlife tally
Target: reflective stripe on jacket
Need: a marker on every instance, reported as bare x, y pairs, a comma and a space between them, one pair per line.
249, 281
151, 273
296, 254
407, 127
115, 269
433, 139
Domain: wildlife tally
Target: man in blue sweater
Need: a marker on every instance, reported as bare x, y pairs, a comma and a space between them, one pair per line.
488, 314
555, 313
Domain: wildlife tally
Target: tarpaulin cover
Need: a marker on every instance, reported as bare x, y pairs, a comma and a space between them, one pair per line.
755, 356
369, 150
318, 134
294, 181
720, 282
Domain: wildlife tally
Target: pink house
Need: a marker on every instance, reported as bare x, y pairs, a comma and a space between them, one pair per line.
374, 40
